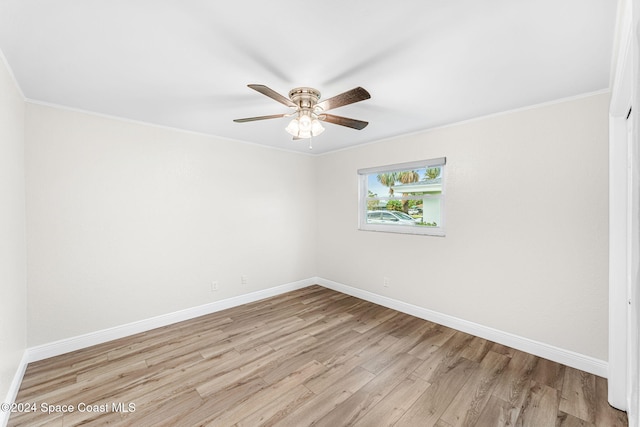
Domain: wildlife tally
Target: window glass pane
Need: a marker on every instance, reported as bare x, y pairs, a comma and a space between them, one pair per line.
408, 200
391, 218
404, 216
431, 212
372, 216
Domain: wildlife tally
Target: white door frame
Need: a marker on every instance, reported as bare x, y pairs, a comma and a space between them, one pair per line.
624, 220
633, 280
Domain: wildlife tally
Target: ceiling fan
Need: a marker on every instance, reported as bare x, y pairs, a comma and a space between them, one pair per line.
309, 112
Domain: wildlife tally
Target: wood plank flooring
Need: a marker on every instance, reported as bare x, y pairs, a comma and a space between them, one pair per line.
309, 357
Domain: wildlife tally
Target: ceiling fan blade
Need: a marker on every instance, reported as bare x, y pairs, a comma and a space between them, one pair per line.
273, 95
253, 119
345, 98
344, 121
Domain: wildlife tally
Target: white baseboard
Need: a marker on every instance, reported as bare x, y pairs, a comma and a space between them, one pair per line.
13, 388
66, 345
556, 354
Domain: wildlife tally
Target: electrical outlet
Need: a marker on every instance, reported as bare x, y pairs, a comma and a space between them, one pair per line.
244, 279
386, 281
214, 286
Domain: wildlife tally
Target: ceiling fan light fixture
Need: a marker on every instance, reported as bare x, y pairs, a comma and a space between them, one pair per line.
304, 126
316, 127
304, 134
304, 121
293, 128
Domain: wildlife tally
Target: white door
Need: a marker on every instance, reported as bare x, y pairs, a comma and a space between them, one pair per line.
633, 278
624, 225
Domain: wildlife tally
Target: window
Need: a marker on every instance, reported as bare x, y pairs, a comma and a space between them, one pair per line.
403, 198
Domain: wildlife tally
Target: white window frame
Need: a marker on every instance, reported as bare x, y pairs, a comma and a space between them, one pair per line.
403, 229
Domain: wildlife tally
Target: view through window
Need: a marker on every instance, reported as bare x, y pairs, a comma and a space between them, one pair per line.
403, 198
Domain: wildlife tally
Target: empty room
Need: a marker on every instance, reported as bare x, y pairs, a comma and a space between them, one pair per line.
368, 213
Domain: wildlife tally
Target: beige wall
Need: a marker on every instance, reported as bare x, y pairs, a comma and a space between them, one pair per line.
526, 222
128, 221
13, 283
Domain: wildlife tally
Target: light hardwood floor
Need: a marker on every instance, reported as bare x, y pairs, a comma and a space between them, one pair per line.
310, 357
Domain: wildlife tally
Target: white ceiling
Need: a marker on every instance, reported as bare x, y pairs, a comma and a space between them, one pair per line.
186, 63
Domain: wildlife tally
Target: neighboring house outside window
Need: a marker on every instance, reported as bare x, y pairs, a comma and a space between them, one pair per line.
403, 198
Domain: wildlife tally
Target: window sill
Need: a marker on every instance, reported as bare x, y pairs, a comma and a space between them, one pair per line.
400, 229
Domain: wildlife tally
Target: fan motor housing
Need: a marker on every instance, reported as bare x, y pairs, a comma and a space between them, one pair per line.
304, 97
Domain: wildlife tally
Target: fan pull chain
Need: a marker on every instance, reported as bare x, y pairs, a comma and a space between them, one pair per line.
310, 140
